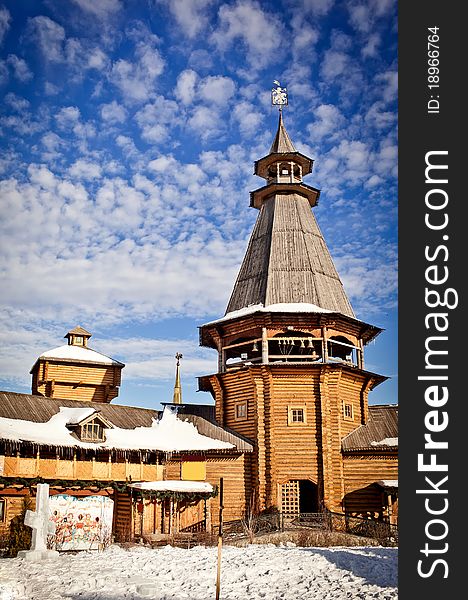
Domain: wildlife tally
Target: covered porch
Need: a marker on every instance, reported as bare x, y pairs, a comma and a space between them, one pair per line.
159, 510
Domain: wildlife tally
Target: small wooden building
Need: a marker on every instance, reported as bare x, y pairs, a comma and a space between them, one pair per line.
160, 469
75, 370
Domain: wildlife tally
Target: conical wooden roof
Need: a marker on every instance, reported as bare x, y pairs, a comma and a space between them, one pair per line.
287, 259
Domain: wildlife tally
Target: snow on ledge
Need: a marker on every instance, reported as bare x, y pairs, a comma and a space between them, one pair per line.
290, 307
173, 485
386, 442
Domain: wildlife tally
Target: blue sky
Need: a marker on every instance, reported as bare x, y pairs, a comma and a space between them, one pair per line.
129, 131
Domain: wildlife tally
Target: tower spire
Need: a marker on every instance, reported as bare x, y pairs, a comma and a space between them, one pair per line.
177, 397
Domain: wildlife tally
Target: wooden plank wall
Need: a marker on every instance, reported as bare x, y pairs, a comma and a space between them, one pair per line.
361, 472
237, 483
13, 507
60, 380
18, 466
123, 516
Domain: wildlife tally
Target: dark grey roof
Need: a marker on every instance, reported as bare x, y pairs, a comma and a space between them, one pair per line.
40, 409
287, 260
381, 425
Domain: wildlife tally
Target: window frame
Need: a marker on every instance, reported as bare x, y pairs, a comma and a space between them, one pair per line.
99, 437
241, 405
292, 410
348, 417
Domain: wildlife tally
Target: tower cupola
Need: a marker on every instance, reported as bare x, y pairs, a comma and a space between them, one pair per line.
78, 337
283, 168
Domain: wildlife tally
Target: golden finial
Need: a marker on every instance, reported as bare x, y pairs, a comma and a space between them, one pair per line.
177, 398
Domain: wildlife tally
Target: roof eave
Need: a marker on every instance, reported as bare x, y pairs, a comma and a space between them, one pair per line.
257, 197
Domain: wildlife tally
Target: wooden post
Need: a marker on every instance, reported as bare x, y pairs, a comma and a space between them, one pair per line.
220, 538
265, 358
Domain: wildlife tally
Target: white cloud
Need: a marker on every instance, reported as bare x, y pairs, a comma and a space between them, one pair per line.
20, 68
85, 170
17, 103
3, 72
328, 120
364, 15
5, 19
379, 117
259, 31
52, 143
316, 7
136, 80
113, 112
217, 89
49, 37
390, 85
191, 15
205, 121
101, 9
55, 47
334, 64
248, 117
69, 119
157, 119
372, 46
185, 87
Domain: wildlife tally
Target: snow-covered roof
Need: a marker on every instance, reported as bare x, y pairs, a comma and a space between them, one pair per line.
388, 483
386, 442
168, 434
76, 415
172, 485
379, 434
73, 353
285, 307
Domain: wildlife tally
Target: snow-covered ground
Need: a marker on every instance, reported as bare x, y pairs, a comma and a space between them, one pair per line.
251, 573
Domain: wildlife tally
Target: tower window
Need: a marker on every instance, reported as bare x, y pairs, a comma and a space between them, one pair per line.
297, 415
2, 509
241, 411
348, 411
78, 340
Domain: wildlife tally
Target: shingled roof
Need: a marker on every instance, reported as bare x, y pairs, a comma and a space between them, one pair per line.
287, 261
380, 433
282, 143
39, 409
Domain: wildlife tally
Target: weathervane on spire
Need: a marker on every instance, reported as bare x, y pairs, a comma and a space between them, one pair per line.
279, 95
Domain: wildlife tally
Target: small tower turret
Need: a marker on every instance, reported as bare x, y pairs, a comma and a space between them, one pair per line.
76, 372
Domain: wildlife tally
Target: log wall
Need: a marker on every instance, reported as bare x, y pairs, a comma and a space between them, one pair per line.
361, 472
76, 381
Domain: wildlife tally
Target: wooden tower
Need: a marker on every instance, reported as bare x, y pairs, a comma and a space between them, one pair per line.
291, 373
76, 372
